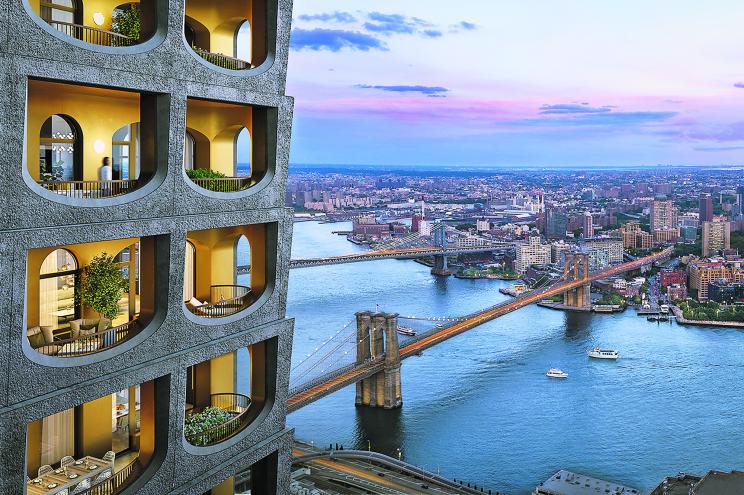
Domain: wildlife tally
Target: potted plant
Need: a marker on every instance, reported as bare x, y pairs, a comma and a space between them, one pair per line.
128, 22
102, 286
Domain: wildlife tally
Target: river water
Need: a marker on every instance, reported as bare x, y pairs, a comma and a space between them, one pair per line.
480, 408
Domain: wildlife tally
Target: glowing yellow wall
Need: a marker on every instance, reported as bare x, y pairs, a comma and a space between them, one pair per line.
93, 427
222, 373
227, 487
99, 112
84, 253
221, 20
215, 257
90, 7
219, 124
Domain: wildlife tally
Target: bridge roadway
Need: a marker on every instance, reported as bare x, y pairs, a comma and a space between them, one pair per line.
336, 381
405, 253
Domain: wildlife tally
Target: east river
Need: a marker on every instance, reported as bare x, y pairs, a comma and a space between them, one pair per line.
480, 408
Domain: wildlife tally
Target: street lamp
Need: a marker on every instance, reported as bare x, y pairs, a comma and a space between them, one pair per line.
400, 454
369, 446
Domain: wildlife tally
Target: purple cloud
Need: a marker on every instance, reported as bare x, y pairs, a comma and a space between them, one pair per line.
432, 33
430, 91
739, 85
334, 40
572, 108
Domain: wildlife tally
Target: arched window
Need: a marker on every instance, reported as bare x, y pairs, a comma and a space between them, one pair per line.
125, 152
189, 273
243, 42
188, 151
128, 260
60, 149
243, 261
66, 11
243, 371
243, 154
57, 282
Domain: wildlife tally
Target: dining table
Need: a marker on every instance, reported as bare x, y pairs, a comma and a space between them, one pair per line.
68, 477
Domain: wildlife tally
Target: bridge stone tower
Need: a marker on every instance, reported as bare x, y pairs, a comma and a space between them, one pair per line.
377, 335
577, 268
440, 240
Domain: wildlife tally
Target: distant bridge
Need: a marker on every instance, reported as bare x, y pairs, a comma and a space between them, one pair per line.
402, 253
378, 355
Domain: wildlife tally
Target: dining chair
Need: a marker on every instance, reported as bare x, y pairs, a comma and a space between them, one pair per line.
66, 460
109, 456
45, 469
82, 486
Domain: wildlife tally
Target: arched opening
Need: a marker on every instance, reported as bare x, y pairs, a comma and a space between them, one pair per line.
106, 443
236, 39
243, 153
103, 22
85, 300
125, 152
243, 261
189, 149
226, 145
189, 272
61, 11
243, 42
60, 149
229, 266
84, 154
58, 280
227, 393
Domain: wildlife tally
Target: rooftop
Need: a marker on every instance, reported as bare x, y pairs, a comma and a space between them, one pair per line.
568, 483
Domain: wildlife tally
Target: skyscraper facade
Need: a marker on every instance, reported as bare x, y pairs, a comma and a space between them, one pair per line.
663, 215
716, 236
145, 255
706, 207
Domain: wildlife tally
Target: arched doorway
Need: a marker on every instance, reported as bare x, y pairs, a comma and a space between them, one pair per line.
243, 42
243, 261
243, 165
60, 149
58, 279
64, 11
125, 159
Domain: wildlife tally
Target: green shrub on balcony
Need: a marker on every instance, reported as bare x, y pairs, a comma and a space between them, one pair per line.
204, 174
127, 21
198, 423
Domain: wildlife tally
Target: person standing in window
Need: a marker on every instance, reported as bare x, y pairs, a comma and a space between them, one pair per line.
105, 176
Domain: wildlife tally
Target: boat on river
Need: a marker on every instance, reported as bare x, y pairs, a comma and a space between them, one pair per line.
598, 353
556, 373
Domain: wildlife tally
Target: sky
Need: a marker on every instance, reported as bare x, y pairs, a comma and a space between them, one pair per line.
517, 82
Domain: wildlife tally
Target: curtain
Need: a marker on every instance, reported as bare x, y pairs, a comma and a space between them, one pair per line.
57, 436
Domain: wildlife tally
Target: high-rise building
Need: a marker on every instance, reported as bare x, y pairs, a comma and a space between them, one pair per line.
152, 162
740, 202
706, 207
532, 252
663, 214
612, 246
716, 236
556, 224
588, 225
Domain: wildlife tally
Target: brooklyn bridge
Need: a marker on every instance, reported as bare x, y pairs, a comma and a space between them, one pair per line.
376, 368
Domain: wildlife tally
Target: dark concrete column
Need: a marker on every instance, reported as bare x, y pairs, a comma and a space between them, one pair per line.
393, 394
363, 353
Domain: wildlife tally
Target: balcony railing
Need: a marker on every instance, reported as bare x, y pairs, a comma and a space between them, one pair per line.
221, 60
236, 404
90, 189
89, 344
225, 300
116, 483
224, 184
92, 35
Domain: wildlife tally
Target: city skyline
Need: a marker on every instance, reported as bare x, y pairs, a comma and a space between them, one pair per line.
371, 88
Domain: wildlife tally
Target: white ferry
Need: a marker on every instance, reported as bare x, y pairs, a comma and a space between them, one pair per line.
406, 331
556, 373
603, 353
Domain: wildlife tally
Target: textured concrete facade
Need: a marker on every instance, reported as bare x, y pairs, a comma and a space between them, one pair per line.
169, 206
